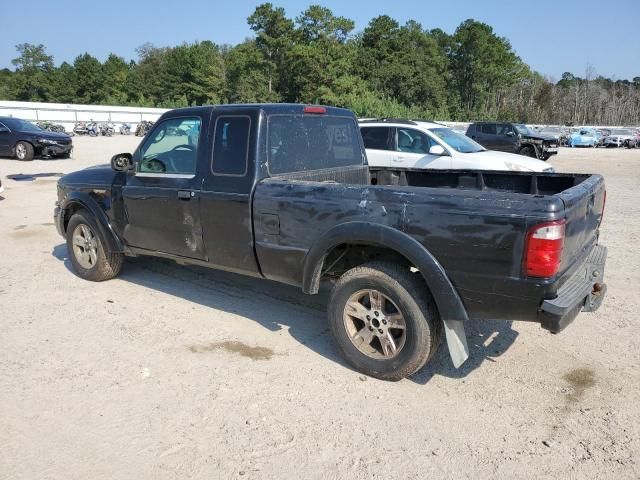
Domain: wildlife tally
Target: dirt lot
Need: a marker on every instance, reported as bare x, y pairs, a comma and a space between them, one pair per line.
177, 372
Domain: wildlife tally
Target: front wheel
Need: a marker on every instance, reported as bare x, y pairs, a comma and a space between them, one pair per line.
384, 320
24, 151
87, 250
529, 151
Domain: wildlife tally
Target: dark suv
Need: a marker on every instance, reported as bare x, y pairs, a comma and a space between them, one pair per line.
513, 137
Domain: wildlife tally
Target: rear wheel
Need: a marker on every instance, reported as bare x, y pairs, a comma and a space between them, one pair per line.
384, 321
24, 151
87, 250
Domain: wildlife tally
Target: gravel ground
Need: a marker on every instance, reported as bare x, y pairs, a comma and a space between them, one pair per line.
178, 372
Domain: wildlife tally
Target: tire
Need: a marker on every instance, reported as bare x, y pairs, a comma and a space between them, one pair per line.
528, 150
403, 293
24, 151
93, 133
97, 265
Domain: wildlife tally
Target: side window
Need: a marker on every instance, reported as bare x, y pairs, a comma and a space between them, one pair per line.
503, 129
378, 138
414, 141
231, 145
488, 128
172, 147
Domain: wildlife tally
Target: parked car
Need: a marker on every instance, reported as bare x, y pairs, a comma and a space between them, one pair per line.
24, 140
585, 137
514, 138
618, 137
560, 134
283, 192
633, 142
420, 144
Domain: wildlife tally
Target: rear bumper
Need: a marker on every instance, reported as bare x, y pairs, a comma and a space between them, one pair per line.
583, 292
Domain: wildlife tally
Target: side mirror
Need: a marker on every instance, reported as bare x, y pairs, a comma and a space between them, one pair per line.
510, 134
437, 150
122, 162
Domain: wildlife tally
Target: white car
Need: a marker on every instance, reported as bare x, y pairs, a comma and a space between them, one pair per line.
420, 144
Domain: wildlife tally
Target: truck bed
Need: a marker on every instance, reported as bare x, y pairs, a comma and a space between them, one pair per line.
473, 222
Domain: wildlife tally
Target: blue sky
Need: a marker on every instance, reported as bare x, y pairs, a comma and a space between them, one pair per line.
551, 36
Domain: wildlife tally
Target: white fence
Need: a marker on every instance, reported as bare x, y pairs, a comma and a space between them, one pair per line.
69, 114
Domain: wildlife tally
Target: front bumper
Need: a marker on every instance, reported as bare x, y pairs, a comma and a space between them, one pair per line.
58, 219
584, 291
56, 150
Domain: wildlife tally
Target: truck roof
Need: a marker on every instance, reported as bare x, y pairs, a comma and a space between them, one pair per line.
268, 108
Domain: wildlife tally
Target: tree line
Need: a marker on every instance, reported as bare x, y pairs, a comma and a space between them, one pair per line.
387, 70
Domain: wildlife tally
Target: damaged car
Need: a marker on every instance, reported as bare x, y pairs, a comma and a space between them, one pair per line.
24, 140
618, 137
585, 137
514, 138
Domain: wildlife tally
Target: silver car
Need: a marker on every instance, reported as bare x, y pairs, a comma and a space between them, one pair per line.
618, 137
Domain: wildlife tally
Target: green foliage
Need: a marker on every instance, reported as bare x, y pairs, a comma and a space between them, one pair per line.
387, 70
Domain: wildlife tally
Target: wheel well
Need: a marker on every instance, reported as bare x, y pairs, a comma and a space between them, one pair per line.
70, 211
346, 256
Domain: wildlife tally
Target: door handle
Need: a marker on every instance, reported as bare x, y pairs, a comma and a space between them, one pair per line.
185, 194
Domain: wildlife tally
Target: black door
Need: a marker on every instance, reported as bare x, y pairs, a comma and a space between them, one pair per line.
505, 138
488, 136
225, 202
161, 198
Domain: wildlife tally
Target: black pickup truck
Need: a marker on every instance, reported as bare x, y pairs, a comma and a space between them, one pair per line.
283, 192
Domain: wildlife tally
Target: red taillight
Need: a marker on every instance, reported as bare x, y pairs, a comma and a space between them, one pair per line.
315, 109
544, 249
604, 202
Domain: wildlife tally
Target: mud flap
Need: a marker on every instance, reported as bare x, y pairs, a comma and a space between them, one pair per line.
456, 341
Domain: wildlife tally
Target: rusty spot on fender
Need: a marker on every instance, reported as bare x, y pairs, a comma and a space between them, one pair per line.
254, 353
580, 379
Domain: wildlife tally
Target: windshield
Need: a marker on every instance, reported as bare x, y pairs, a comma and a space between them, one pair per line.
523, 129
306, 142
552, 130
459, 142
21, 125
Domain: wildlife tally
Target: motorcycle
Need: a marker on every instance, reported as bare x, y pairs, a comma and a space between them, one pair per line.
93, 129
86, 128
125, 129
143, 128
51, 127
80, 128
107, 129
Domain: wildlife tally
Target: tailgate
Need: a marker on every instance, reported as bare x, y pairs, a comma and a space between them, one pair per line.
584, 206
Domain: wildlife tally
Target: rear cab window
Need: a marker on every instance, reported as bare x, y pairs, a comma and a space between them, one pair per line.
231, 145
307, 142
